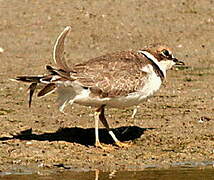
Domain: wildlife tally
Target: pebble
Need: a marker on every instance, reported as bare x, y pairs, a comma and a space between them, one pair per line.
1, 50
29, 143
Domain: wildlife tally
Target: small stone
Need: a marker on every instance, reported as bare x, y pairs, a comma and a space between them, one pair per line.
41, 165
1, 50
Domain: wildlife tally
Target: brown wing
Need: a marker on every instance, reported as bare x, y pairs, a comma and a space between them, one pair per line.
113, 74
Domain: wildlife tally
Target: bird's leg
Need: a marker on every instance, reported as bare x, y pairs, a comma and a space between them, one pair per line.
134, 112
105, 123
96, 117
97, 141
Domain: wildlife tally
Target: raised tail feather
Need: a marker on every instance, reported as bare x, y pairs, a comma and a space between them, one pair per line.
49, 81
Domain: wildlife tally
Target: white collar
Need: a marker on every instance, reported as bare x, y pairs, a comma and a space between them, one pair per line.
154, 60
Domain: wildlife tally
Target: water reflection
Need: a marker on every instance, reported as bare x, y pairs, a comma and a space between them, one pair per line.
175, 174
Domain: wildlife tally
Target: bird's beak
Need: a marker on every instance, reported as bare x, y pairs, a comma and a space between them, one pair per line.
178, 62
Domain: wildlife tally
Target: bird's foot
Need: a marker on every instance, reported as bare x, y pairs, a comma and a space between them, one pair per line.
109, 147
123, 144
103, 146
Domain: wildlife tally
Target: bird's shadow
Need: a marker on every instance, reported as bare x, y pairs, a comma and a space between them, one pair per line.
80, 135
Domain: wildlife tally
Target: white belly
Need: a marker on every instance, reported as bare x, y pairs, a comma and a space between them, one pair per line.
152, 84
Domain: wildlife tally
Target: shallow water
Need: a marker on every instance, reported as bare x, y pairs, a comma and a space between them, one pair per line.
175, 174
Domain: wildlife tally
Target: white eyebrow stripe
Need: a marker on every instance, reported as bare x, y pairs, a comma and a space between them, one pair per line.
150, 57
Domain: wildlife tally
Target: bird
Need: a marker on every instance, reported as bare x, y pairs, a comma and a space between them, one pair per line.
115, 80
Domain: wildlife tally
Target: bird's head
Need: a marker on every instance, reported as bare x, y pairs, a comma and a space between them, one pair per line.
166, 58
163, 55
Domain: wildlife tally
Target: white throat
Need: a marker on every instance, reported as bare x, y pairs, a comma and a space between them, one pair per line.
150, 57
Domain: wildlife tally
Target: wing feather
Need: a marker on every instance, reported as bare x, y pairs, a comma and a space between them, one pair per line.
113, 75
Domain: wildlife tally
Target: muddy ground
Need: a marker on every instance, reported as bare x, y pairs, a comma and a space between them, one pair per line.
176, 125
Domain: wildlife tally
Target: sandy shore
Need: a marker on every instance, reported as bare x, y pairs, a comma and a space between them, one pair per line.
174, 126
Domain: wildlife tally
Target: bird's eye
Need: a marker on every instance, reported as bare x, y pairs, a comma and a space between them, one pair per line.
165, 53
